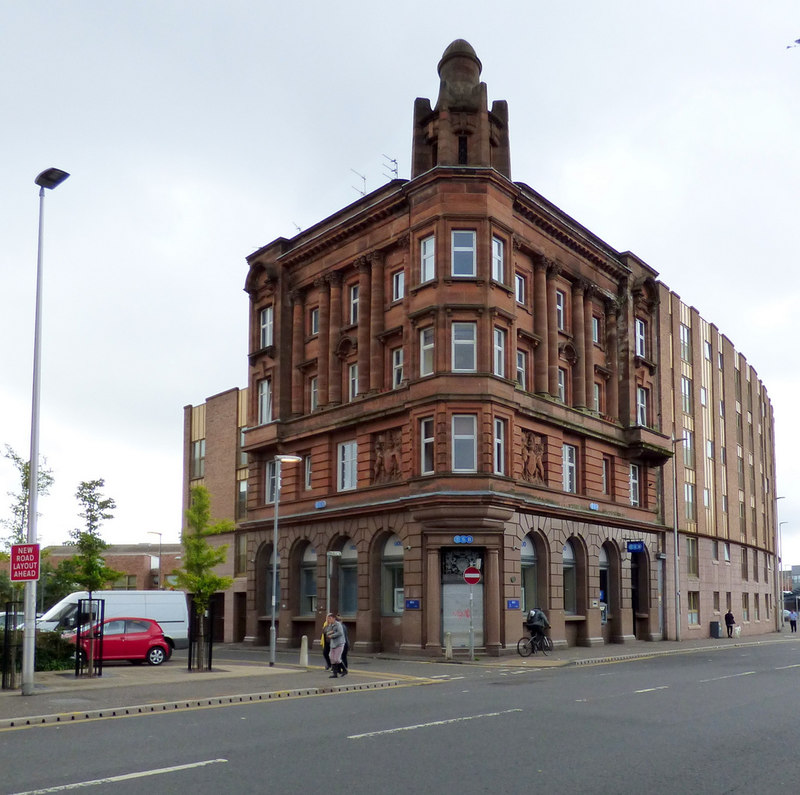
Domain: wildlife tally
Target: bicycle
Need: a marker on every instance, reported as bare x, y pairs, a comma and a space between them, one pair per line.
530, 644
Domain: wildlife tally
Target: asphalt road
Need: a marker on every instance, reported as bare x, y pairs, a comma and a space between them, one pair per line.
716, 722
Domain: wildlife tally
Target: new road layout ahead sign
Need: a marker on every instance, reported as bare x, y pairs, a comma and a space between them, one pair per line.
24, 562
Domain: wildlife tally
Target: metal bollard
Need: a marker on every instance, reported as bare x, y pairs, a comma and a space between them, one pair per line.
448, 646
304, 651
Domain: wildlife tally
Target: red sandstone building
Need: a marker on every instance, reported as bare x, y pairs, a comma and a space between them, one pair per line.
471, 377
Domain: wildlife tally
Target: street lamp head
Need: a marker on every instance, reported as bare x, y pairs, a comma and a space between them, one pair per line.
51, 178
288, 459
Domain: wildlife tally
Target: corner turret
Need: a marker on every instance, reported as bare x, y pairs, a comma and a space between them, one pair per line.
460, 130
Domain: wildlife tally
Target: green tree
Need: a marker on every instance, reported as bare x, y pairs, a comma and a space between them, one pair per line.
17, 524
89, 569
6, 590
197, 575
56, 582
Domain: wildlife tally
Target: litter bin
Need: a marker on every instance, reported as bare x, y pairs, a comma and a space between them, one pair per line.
715, 630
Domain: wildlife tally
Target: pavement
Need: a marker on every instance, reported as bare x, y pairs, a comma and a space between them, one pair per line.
241, 674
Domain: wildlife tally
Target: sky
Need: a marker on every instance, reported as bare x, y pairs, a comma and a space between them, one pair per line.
196, 132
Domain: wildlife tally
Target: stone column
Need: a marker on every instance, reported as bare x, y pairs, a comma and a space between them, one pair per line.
334, 362
364, 314
298, 307
376, 324
433, 603
579, 370
612, 391
491, 594
540, 368
553, 270
323, 340
588, 344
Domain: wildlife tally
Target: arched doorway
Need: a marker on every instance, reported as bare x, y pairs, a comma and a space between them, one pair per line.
263, 592
640, 594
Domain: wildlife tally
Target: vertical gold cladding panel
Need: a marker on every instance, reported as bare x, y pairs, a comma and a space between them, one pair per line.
242, 410
198, 422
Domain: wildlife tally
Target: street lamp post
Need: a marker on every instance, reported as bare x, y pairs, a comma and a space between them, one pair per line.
676, 573
779, 567
51, 178
279, 460
156, 533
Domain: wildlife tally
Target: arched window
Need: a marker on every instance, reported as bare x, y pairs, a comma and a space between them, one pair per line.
392, 601
529, 575
348, 579
308, 582
605, 591
570, 580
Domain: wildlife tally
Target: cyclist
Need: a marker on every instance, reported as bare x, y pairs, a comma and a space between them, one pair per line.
537, 623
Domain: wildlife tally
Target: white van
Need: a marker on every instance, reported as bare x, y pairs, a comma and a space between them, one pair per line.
169, 608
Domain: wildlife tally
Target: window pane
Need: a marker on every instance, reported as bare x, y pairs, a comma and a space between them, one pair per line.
464, 338
463, 253
464, 452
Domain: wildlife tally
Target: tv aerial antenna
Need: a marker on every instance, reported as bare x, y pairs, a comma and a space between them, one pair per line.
363, 189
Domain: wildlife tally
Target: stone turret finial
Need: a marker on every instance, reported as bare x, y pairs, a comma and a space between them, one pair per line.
459, 72
460, 130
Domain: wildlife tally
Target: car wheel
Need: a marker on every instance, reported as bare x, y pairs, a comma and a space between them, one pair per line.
156, 655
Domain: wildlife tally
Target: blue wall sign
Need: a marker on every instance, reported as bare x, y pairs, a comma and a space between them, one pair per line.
635, 546
462, 539
412, 604
513, 604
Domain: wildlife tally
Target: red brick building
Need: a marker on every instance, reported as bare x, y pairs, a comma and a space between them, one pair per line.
471, 377
139, 563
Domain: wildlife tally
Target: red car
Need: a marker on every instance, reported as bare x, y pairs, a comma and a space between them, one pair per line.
133, 639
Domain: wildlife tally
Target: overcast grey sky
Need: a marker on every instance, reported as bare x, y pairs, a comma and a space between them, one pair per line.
196, 132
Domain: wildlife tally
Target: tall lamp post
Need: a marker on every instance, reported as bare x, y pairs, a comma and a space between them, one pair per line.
156, 533
779, 567
279, 460
676, 573
49, 179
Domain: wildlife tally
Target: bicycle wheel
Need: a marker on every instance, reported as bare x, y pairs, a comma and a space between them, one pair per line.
525, 646
548, 643
542, 645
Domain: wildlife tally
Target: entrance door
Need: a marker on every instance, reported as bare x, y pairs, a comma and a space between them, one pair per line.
456, 612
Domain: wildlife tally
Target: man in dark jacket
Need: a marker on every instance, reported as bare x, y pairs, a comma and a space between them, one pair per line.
729, 622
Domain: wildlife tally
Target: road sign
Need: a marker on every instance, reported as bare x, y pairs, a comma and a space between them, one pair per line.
24, 562
472, 576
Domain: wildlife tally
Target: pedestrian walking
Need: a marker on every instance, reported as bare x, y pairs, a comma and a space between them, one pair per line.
346, 644
326, 646
793, 620
335, 632
729, 622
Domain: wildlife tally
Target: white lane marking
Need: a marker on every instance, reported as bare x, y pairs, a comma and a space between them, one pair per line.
652, 689
433, 723
125, 777
730, 676
784, 667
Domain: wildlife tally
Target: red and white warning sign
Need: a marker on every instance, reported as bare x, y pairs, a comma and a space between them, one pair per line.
24, 562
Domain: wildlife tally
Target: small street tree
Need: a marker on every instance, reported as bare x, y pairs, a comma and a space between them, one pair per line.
16, 525
90, 570
197, 576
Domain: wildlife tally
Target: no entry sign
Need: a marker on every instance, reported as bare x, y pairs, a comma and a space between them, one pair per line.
24, 562
472, 576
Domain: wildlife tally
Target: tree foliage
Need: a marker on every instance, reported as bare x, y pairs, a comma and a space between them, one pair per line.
197, 575
17, 523
88, 568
